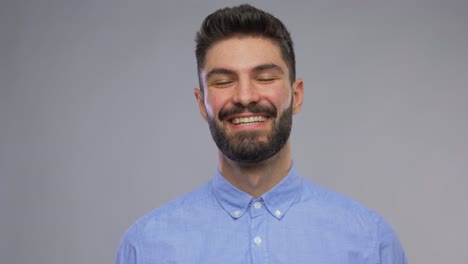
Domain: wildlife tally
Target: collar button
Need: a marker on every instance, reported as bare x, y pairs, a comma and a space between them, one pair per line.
278, 213
237, 214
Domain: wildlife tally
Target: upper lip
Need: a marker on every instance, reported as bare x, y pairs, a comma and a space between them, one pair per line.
248, 111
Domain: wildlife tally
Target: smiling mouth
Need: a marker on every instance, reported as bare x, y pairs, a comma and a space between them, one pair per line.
243, 121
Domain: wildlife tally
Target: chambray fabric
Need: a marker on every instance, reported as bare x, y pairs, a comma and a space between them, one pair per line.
295, 222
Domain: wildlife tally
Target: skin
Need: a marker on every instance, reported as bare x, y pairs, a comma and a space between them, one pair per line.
240, 71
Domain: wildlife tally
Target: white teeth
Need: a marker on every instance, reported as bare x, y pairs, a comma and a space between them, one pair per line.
248, 120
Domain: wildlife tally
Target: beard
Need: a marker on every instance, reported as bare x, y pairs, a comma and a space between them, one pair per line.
244, 146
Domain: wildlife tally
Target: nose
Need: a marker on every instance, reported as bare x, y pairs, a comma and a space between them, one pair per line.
246, 93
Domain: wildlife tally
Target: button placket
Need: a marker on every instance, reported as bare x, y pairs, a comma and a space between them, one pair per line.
257, 208
258, 226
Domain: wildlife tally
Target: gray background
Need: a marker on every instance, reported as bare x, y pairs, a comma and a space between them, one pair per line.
99, 125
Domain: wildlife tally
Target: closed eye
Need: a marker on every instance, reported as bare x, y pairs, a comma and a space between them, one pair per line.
222, 83
266, 80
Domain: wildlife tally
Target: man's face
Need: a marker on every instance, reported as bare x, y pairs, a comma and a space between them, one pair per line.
248, 100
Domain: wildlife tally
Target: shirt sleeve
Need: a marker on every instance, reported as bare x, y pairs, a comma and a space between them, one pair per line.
389, 246
127, 252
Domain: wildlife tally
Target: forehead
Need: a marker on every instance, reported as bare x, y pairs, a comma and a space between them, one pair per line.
243, 53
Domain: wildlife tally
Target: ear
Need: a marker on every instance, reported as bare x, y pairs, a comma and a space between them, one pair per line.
298, 95
201, 102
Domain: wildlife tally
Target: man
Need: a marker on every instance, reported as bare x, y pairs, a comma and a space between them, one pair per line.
256, 209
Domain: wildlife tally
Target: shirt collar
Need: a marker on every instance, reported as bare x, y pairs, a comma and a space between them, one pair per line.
277, 201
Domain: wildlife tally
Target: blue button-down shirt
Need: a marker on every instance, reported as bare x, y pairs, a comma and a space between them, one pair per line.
295, 222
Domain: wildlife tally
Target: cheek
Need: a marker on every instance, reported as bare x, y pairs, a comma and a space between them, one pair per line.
281, 98
213, 103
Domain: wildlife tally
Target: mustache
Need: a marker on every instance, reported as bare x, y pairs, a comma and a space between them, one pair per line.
250, 108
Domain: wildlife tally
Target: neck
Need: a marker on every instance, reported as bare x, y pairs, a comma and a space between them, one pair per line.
257, 178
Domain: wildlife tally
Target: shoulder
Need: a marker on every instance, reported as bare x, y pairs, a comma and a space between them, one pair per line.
149, 234
341, 214
348, 216
165, 217
336, 204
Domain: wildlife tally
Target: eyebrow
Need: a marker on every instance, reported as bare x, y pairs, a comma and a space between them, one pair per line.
270, 66
259, 68
218, 71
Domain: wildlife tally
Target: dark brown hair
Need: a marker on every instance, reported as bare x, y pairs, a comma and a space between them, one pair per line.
243, 20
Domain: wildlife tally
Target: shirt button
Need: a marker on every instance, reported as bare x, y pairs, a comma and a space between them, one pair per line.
278, 213
257, 205
237, 213
257, 240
